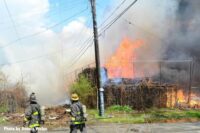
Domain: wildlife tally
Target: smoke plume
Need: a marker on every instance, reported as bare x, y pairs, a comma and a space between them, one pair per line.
170, 30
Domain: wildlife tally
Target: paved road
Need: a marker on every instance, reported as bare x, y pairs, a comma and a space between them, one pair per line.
131, 128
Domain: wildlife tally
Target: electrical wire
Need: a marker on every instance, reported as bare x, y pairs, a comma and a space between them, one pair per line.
83, 49
79, 41
69, 7
80, 55
33, 58
114, 11
81, 45
105, 28
38, 57
27, 60
47, 28
109, 17
116, 18
51, 14
13, 22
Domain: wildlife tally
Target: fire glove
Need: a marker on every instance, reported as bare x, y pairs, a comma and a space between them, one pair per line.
65, 113
85, 119
42, 122
25, 123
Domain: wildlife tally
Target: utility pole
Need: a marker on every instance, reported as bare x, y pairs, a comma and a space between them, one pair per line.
97, 60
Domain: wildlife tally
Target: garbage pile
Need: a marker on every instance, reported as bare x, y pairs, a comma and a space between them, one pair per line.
52, 116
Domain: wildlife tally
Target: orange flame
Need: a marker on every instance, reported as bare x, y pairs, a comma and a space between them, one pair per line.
180, 96
120, 64
194, 101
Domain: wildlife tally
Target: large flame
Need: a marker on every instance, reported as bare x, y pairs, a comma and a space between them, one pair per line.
194, 101
181, 97
182, 100
120, 65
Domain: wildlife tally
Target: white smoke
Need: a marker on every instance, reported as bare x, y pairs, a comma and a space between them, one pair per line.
170, 30
41, 60
150, 21
156, 22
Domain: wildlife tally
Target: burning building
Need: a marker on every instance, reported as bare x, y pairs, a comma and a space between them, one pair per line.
144, 84
167, 46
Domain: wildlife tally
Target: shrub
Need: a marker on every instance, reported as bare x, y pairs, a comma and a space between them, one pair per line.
84, 89
3, 108
125, 108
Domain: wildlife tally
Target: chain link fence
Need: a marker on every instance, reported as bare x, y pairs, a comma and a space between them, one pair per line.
166, 83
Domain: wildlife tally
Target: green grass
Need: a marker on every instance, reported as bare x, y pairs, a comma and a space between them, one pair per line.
195, 114
2, 120
3, 108
123, 114
175, 114
120, 108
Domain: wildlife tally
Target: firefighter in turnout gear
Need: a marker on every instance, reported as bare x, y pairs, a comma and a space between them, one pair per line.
33, 114
77, 115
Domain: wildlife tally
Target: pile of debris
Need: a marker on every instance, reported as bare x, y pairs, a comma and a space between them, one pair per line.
14, 118
141, 95
56, 116
52, 116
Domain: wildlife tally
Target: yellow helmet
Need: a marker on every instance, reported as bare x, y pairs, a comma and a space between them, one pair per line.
74, 97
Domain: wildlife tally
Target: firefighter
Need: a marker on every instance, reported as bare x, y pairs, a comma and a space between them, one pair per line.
33, 114
77, 115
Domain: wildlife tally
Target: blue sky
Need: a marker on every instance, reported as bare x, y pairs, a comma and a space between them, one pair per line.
62, 9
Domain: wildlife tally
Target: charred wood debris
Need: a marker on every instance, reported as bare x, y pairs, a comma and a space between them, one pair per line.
138, 93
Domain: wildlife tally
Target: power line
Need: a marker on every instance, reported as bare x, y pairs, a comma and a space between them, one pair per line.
47, 28
38, 57
113, 12
41, 56
80, 68
106, 27
116, 18
100, 26
69, 7
10, 16
51, 14
82, 46
34, 58
79, 39
27, 60
83, 49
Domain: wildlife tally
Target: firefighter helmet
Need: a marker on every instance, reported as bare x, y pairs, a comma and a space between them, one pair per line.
74, 97
32, 97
